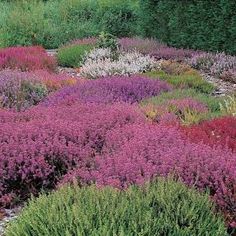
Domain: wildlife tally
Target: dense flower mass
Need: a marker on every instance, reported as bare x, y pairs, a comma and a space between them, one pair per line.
170, 53
109, 90
217, 132
40, 145
26, 59
218, 64
122, 117
135, 153
126, 64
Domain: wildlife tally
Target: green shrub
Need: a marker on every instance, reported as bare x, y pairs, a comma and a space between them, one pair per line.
106, 40
160, 208
53, 23
191, 24
194, 81
72, 55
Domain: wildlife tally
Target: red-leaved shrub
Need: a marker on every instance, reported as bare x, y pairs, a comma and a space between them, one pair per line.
217, 132
26, 59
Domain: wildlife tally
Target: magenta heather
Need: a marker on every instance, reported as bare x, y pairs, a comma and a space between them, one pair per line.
136, 153
109, 90
26, 59
41, 145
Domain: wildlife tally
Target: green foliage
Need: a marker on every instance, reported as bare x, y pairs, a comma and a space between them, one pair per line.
72, 55
195, 24
53, 23
160, 208
106, 40
228, 107
187, 80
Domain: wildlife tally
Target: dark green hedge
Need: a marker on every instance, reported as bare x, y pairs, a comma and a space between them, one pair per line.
198, 24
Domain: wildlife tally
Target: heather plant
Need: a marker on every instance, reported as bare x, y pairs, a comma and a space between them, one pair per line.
73, 55
190, 79
98, 54
212, 103
229, 75
20, 90
187, 111
202, 61
126, 64
26, 59
136, 153
41, 145
109, 90
171, 53
163, 207
144, 46
175, 68
217, 132
219, 64
229, 106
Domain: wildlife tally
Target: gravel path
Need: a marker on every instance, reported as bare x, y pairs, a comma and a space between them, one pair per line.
7, 215
222, 87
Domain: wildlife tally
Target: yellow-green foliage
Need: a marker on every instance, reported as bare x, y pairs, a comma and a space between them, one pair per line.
228, 107
186, 80
160, 208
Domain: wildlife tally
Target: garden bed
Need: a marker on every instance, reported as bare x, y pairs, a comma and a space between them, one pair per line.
116, 118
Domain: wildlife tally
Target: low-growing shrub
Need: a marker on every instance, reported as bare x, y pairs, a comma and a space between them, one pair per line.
213, 103
158, 208
98, 54
144, 46
229, 75
136, 153
39, 146
125, 64
175, 68
187, 80
216, 132
170, 53
229, 106
187, 111
20, 90
26, 59
218, 64
73, 55
109, 90
106, 40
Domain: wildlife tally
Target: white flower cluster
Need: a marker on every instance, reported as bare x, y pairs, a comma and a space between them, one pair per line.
98, 54
99, 63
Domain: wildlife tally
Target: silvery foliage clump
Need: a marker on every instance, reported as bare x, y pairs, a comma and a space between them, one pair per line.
98, 54
101, 62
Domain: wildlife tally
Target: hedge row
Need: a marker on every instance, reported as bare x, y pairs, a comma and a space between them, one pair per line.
206, 25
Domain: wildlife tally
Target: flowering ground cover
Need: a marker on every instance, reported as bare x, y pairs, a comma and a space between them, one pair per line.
138, 112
